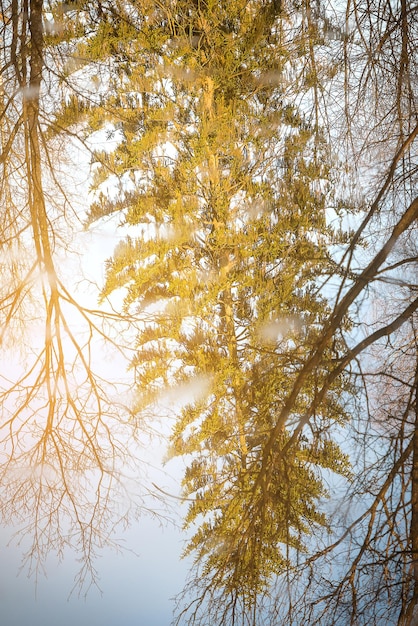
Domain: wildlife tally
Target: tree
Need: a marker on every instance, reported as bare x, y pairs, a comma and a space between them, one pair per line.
64, 455
366, 574
376, 569
224, 178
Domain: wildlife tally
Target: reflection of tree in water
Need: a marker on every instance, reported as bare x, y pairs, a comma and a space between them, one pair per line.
260, 446
65, 430
366, 572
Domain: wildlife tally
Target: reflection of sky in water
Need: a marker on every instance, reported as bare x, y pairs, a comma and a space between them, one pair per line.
137, 584
136, 589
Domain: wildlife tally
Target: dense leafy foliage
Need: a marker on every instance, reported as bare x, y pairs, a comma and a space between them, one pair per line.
226, 181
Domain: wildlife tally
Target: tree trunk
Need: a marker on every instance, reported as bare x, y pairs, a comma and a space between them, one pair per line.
411, 614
